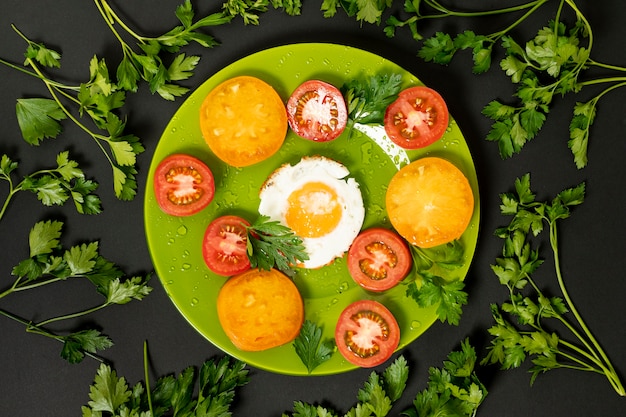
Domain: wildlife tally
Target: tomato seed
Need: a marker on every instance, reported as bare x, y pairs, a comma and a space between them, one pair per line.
327, 101
349, 336
382, 255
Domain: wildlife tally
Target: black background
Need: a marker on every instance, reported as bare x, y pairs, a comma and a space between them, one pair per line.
35, 381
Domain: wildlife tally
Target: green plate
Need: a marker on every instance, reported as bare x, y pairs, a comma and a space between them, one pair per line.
176, 243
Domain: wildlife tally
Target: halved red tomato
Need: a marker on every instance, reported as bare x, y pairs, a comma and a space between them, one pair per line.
378, 259
367, 333
417, 118
317, 111
183, 185
224, 247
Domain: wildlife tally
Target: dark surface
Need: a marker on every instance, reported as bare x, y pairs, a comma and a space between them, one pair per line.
35, 381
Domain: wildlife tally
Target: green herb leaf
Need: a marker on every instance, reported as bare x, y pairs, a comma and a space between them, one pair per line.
448, 296
367, 99
310, 348
81, 259
44, 237
108, 392
43, 55
76, 344
271, 244
453, 390
375, 398
39, 118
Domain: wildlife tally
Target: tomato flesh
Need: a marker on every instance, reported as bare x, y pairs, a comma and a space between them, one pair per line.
183, 185
367, 333
317, 111
260, 309
418, 118
378, 259
243, 121
429, 202
224, 247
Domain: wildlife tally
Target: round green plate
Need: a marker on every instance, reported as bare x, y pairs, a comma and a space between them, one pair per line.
176, 243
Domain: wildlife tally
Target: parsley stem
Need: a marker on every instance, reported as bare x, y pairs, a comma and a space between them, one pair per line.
608, 368
73, 315
16, 287
447, 12
606, 66
12, 191
112, 18
147, 377
53, 92
36, 329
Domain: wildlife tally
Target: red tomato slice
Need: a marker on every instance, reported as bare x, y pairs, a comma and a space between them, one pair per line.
183, 185
378, 259
224, 247
417, 118
367, 333
317, 111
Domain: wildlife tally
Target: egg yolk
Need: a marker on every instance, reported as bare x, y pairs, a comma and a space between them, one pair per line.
313, 210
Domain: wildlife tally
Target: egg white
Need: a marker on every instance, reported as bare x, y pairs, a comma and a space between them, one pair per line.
285, 180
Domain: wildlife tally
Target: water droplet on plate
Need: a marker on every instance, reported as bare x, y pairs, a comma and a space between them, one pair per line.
342, 287
415, 324
194, 301
182, 230
185, 267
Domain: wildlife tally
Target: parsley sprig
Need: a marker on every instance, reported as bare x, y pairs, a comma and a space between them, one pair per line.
50, 263
53, 186
271, 244
433, 285
97, 99
250, 10
454, 389
146, 61
375, 398
512, 344
368, 98
209, 391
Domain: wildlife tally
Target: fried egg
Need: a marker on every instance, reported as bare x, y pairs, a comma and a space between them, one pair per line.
318, 201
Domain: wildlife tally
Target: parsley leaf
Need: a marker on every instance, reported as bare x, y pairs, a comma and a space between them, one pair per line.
310, 347
367, 99
430, 288
39, 118
76, 344
108, 391
448, 296
271, 244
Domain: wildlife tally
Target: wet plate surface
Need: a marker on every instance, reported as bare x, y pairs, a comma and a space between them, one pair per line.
176, 243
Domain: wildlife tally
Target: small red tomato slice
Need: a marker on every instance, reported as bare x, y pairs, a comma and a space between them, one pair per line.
183, 185
367, 333
317, 111
378, 259
224, 247
417, 118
